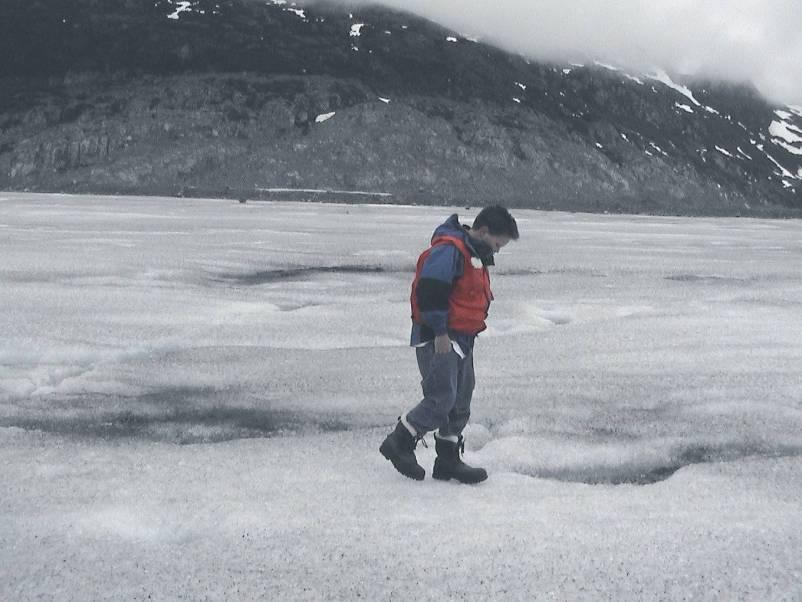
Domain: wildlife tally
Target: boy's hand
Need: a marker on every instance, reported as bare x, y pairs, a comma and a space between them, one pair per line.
442, 344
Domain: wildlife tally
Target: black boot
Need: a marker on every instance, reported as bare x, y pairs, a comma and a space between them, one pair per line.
399, 448
449, 464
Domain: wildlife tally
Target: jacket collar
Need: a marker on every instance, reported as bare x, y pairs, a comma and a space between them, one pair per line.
478, 248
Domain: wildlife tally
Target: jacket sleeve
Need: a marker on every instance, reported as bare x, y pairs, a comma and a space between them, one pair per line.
441, 268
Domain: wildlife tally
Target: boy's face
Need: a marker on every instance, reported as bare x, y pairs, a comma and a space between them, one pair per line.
495, 241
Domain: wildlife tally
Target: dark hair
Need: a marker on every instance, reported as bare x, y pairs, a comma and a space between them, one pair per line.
498, 221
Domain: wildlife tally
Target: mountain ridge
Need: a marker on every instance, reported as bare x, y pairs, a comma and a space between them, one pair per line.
133, 96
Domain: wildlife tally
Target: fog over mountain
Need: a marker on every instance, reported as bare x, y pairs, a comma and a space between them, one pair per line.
757, 41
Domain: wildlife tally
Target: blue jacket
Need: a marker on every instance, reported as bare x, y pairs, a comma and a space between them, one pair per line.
442, 267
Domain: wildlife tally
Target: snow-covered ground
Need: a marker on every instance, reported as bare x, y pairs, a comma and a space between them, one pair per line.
192, 394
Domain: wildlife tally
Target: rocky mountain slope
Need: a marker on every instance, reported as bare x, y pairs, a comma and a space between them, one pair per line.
251, 99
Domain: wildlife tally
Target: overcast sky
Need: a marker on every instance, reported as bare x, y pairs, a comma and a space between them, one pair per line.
741, 40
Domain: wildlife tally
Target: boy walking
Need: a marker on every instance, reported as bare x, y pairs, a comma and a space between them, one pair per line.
450, 299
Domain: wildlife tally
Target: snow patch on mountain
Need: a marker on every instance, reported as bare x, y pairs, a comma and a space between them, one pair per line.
664, 78
784, 173
786, 131
791, 149
785, 134
297, 11
618, 70
606, 66
182, 7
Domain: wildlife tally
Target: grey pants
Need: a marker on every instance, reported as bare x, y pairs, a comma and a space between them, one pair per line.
448, 382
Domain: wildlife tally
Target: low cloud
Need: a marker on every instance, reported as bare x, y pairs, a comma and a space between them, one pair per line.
757, 41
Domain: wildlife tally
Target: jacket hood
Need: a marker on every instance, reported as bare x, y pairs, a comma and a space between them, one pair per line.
452, 227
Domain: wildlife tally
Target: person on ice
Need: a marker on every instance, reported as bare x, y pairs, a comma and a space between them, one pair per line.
450, 300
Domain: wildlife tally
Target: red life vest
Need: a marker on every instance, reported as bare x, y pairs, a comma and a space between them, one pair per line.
471, 296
